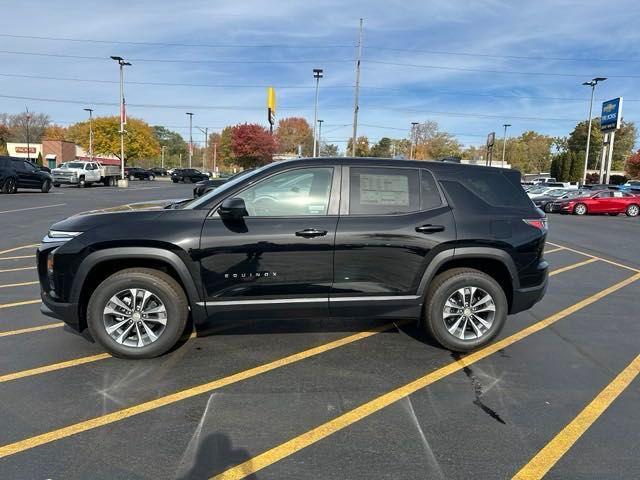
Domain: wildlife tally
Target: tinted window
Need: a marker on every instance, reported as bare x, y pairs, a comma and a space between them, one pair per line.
380, 191
605, 195
29, 167
303, 191
19, 165
475, 189
429, 194
5, 163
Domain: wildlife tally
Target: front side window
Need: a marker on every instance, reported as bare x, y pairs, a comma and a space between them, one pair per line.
304, 191
383, 191
29, 167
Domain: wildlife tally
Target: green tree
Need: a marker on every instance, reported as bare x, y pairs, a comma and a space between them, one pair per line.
362, 147
382, 148
432, 143
329, 150
576, 166
555, 169
625, 139
565, 167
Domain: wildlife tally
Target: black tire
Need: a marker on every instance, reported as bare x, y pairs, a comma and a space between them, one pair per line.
174, 180
151, 178
580, 209
57, 185
10, 185
82, 183
161, 285
131, 178
548, 208
188, 180
46, 186
444, 285
632, 210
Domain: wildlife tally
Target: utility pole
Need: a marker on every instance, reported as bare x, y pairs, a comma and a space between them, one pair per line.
356, 106
215, 158
413, 139
320, 137
317, 74
123, 113
504, 142
90, 110
190, 137
204, 154
591, 84
162, 158
28, 138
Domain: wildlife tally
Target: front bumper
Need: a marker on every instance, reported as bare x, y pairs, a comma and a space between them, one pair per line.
67, 312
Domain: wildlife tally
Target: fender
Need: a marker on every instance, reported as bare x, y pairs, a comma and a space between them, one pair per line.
120, 253
467, 252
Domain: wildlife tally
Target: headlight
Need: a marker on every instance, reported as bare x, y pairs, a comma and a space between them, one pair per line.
59, 236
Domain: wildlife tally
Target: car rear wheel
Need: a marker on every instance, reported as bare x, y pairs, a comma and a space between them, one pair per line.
548, 208
10, 185
137, 313
131, 177
632, 210
152, 177
57, 185
46, 186
465, 309
580, 209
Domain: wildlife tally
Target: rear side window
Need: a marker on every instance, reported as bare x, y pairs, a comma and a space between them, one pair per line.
429, 193
476, 188
383, 191
5, 163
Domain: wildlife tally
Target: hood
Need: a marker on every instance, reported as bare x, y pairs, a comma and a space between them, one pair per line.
133, 207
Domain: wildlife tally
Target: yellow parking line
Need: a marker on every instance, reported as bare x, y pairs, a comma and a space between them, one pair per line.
554, 250
320, 432
124, 413
22, 284
18, 304
606, 260
17, 257
22, 247
571, 267
17, 269
11, 333
33, 208
546, 458
55, 366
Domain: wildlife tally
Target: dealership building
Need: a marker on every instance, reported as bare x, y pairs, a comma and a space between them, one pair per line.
56, 152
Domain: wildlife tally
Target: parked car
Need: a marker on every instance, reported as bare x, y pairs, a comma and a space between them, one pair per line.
205, 186
543, 189
632, 186
540, 180
18, 173
137, 173
598, 186
188, 175
604, 201
159, 171
304, 238
545, 202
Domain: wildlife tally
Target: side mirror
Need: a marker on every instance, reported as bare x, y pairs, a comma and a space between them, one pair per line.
233, 208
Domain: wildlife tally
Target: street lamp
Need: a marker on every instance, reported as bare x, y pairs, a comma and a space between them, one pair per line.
206, 138
123, 114
320, 137
28, 138
504, 141
90, 110
190, 137
162, 157
317, 74
592, 84
413, 138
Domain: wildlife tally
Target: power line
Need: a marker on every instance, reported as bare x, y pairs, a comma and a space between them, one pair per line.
162, 44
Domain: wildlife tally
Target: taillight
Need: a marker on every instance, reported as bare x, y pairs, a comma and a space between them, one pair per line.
539, 223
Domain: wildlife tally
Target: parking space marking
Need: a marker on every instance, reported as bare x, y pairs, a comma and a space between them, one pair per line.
17, 257
33, 208
55, 366
553, 250
546, 458
571, 267
18, 304
606, 260
320, 432
17, 269
20, 331
22, 284
118, 415
22, 247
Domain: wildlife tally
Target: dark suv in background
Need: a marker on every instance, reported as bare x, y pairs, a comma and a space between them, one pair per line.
137, 173
455, 247
19, 173
188, 175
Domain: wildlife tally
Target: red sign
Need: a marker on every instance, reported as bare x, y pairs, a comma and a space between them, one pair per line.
24, 150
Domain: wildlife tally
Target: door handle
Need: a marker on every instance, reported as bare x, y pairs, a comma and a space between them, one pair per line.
310, 233
430, 228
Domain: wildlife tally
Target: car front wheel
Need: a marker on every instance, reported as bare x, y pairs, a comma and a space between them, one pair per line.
465, 309
46, 186
137, 313
580, 209
632, 210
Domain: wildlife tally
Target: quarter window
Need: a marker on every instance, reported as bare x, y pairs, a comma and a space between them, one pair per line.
383, 191
304, 191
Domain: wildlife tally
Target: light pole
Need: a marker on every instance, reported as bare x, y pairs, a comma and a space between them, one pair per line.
123, 114
317, 74
504, 141
90, 110
162, 158
28, 139
413, 138
591, 84
320, 137
206, 138
190, 137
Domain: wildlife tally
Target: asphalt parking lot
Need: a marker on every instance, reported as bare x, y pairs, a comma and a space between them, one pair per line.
556, 395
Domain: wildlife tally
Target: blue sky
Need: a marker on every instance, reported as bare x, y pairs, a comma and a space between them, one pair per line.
458, 52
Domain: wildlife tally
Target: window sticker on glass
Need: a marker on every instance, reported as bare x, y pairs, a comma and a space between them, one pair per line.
384, 189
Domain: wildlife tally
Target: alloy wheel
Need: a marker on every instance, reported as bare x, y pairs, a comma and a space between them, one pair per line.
580, 209
632, 210
469, 313
135, 317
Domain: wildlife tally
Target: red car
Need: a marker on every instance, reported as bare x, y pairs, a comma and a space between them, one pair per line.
604, 201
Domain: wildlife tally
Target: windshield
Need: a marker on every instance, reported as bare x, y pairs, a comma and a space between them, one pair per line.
225, 186
557, 193
72, 165
539, 190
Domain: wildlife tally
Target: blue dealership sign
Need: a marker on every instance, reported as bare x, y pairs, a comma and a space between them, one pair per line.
611, 115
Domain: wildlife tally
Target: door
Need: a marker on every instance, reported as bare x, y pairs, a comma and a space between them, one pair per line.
603, 203
277, 260
28, 176
391, 220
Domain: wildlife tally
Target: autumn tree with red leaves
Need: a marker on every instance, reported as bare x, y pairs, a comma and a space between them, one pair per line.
252, 145
632, 165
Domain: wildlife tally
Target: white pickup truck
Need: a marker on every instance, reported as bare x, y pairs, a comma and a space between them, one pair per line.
85, 173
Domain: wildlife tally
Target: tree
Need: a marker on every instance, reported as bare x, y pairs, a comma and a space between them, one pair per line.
632, 165
382, 148
252, 145
362, 147
432, 143
565, 167
37, 122
139, 143
172, 141
555, 169
294, 131
4, 137
576, 166
54, 132
622, 146
329, 150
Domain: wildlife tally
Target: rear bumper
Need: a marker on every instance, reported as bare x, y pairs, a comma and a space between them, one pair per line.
525, 298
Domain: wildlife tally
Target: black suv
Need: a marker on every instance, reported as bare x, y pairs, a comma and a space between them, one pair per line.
457, 247
188, 175
19, 173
